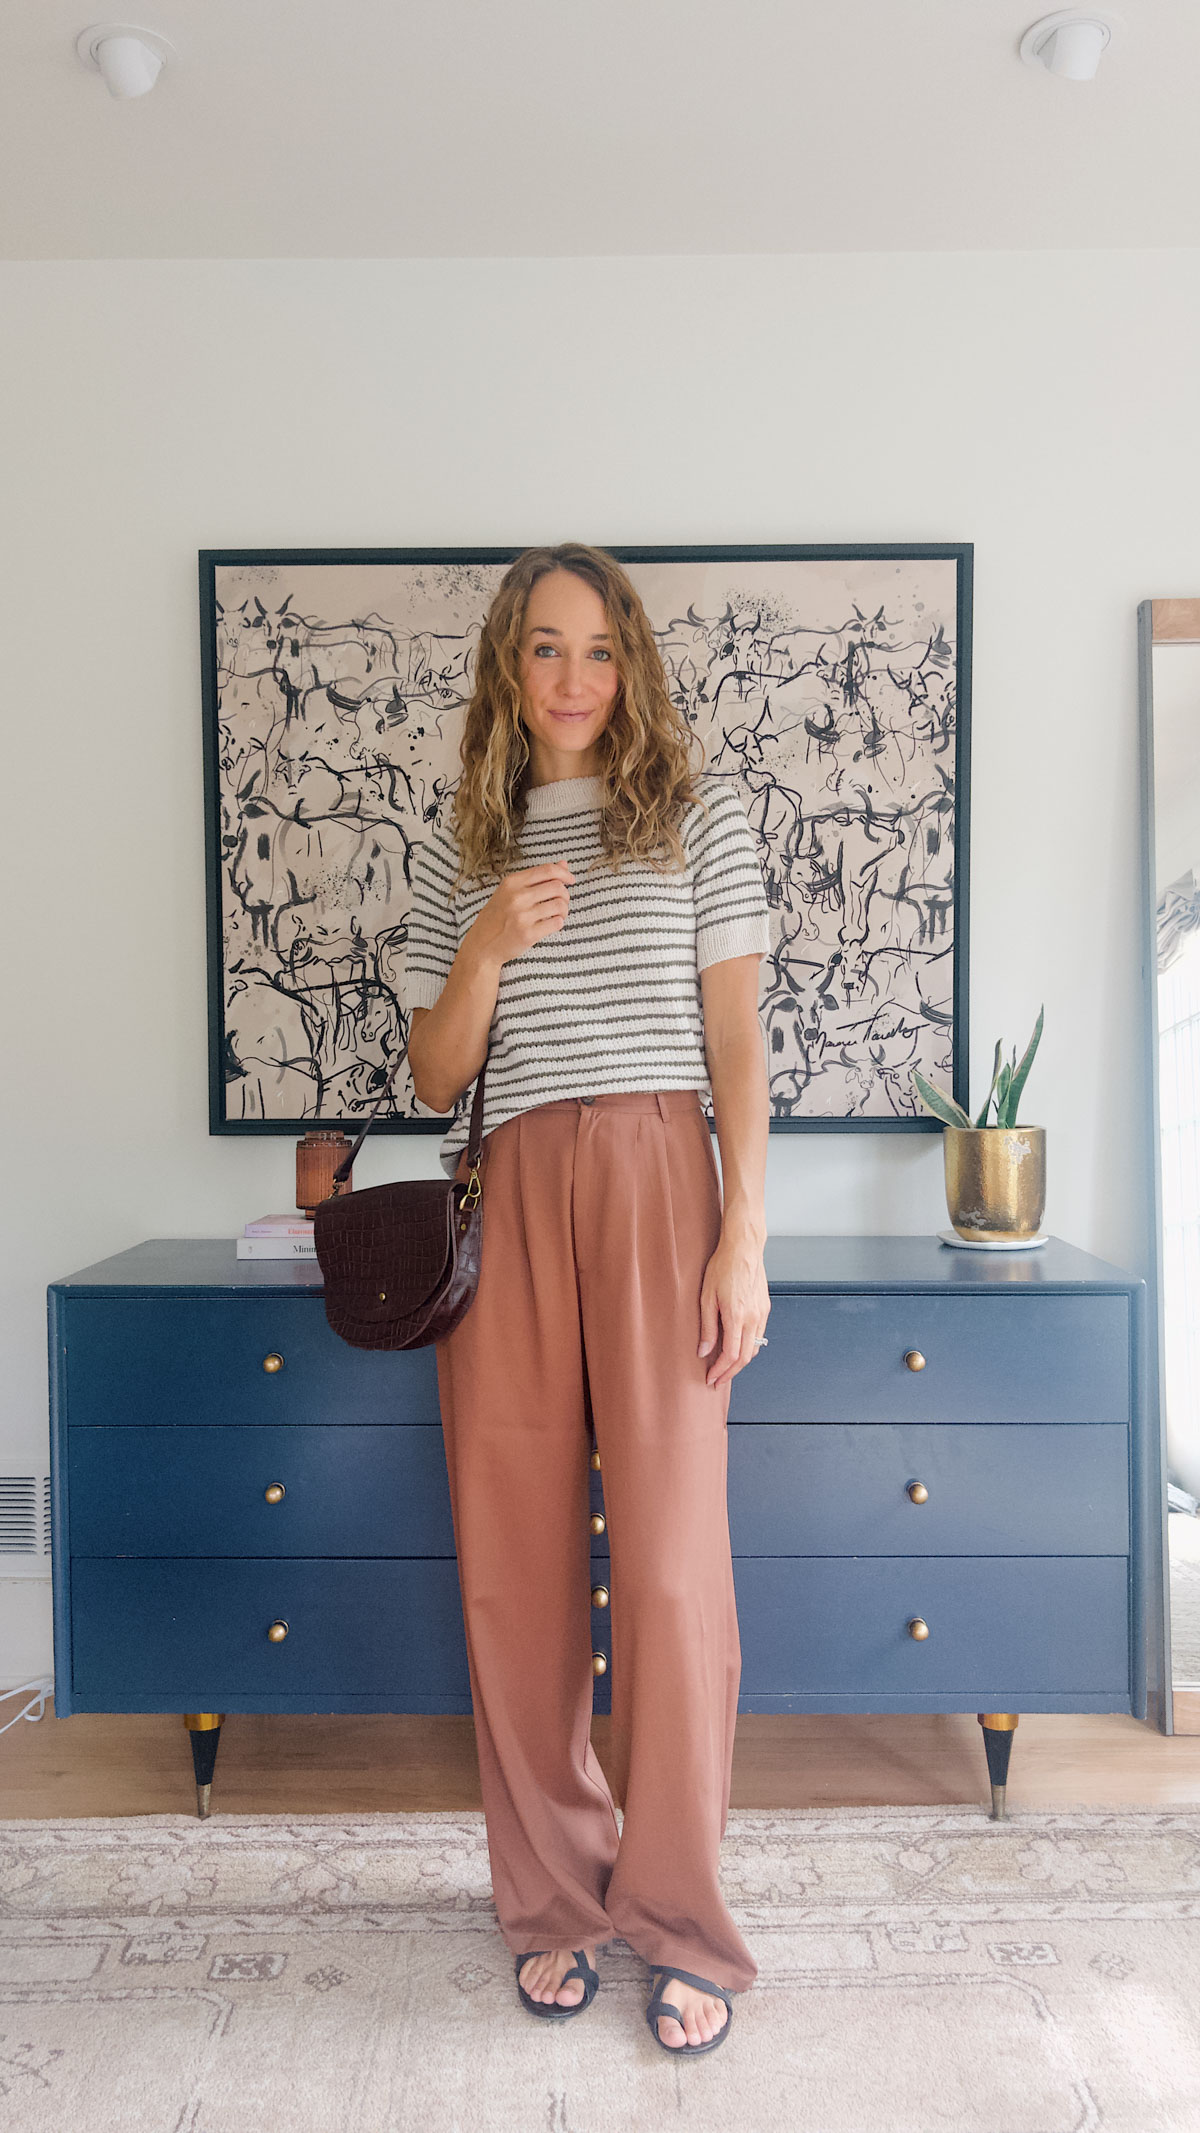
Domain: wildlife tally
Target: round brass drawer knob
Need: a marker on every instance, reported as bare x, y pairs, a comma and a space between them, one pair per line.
596, 1522
918, 1491
599, 1663
275, 1493
599, 1596
596, 1461
277, 1632
914, 1359
918, 1629
272, 1363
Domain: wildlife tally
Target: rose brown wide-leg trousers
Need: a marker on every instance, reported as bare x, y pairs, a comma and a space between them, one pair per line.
599, 1216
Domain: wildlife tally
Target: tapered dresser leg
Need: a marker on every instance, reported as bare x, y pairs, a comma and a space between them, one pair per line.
205, 1730
998, 1730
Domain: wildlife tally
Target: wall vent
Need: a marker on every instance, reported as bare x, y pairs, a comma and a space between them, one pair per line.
24, 1525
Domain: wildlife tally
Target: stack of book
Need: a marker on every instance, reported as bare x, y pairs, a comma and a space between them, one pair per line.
277, 1237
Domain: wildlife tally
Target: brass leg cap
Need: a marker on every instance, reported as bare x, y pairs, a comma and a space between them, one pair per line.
999, 1794
203, 1797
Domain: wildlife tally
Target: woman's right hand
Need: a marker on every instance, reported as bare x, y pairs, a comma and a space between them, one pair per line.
527, 904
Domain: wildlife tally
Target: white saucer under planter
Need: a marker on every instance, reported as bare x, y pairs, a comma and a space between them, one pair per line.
994, 1244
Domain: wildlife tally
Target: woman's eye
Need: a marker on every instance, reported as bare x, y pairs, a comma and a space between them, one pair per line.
599, 651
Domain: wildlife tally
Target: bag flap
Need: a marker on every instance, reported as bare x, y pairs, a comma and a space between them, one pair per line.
388, 1247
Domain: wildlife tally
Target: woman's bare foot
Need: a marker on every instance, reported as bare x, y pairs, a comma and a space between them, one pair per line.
542, 1975
703, 2015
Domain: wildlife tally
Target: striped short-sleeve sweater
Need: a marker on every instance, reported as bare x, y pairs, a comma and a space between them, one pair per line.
611, 1000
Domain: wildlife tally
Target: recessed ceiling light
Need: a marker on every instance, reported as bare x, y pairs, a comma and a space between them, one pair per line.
1068, 43
129, 58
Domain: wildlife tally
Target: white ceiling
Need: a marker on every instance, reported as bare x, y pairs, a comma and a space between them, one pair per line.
391, 128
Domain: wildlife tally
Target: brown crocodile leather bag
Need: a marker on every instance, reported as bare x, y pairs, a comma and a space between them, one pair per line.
400, 1262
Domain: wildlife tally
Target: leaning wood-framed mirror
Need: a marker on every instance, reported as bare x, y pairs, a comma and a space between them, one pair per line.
1169, 679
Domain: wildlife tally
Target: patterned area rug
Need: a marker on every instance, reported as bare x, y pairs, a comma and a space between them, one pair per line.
920, 1970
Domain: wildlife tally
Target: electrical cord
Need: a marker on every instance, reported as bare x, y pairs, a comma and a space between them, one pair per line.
39, 1689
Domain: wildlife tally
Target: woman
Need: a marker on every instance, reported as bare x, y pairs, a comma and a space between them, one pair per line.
610, 979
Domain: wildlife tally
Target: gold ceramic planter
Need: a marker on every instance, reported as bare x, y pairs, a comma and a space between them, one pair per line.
995, 1181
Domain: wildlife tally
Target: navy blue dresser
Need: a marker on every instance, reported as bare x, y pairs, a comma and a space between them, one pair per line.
942, 1494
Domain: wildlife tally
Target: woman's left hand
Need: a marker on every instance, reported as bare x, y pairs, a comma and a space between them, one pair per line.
734, 1292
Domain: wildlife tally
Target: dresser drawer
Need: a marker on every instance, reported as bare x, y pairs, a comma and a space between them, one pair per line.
1010, 1623
176, 1358
188, 1635
364, 1489
1004, 1357
600, 1573
821, 1627
841, 1489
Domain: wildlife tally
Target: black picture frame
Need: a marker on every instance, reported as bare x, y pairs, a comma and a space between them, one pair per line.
226, 1069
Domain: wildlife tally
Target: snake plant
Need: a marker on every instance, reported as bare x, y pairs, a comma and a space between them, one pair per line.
1008, 1080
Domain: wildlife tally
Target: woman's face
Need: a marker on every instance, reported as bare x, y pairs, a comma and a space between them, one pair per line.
569, 678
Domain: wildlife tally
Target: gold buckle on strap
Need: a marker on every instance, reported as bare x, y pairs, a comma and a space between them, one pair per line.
474, 1192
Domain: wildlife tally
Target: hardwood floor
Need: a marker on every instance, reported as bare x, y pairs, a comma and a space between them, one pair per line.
100, 1765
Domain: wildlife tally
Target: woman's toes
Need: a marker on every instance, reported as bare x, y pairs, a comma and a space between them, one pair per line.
703, 2017
542, 1978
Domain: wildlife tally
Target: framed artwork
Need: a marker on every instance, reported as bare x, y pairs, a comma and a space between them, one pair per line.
831, 685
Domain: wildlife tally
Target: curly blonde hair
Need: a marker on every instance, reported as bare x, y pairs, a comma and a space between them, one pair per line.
644, 746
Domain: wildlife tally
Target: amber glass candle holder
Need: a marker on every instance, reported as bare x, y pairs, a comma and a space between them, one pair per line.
317, 1157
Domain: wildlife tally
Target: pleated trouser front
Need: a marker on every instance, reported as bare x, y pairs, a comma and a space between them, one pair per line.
599, 1217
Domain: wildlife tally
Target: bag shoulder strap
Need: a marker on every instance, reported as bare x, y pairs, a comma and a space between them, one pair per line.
474, 1131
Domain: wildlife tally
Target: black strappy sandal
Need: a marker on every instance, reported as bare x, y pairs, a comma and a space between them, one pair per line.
658, 2006
553, 2010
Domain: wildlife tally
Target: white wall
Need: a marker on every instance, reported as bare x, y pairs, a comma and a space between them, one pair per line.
1041, 405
